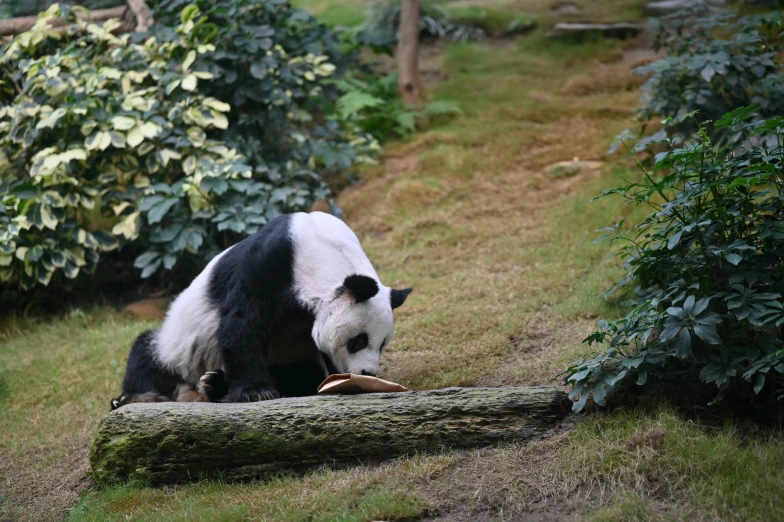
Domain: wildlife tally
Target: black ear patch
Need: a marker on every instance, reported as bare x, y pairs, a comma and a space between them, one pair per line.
360, 287
398, 297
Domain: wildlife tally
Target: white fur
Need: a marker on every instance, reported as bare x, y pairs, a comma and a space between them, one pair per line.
186, 343
326, 251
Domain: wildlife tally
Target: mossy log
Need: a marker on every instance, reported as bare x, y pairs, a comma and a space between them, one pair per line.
180, 442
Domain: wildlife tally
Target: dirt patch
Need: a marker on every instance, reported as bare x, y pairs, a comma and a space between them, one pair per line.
604, 79
42, 493
153, 308
511, 482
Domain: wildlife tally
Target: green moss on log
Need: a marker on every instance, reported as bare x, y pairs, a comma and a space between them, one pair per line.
179, 442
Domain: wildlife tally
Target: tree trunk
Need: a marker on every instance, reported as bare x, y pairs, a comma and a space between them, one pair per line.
144, 19
179, 442
408, 51
12, 26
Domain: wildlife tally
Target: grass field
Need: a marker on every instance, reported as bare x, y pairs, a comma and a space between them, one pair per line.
507, 284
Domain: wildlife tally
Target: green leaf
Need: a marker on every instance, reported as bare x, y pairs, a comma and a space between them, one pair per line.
189, 82
105, 241
135, 137
707, 333
683, 343
406, 122
70, 270
54, 199
93, 141
733, 258
35, 253
42, 216
157, 213
220, 121
127, 227
218, 105
189, 59
189, 13
675, 239
146, 259
58, 260
353, 102
51, 119
169, 261
150, 129
117, 139
759, 382
150, 269
123, 123
258, 70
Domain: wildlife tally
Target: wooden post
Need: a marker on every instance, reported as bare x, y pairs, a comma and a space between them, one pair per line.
144, 19
408, 51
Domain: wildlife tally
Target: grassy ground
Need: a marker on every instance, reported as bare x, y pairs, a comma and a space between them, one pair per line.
506, 285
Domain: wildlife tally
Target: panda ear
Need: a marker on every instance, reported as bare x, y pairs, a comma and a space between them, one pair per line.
398, 297
360, 287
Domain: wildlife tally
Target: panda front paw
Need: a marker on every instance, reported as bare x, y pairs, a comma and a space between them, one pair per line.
213, 386
253, 394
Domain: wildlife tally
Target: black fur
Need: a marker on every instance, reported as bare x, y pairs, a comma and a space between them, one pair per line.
252, 287
144, 375
357, 343
398, 297
361, 287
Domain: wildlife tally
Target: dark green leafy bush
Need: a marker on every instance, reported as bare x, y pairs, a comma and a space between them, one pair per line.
707, 264
715, 64
170, 146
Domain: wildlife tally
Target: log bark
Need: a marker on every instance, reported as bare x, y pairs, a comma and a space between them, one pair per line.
12, 26
615, 30
408, 51
179, 442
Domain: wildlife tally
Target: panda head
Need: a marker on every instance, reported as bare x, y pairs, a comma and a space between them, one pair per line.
354, 326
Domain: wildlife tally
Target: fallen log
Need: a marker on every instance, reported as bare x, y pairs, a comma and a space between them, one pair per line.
12, 26
614, 30
179, 442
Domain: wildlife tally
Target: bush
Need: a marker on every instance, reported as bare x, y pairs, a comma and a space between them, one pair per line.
375, 106
707, 264
714, 65
170, 146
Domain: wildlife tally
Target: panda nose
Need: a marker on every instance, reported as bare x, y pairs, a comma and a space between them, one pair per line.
365, 372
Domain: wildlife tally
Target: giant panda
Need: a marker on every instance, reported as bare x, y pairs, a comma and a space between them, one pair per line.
271, 316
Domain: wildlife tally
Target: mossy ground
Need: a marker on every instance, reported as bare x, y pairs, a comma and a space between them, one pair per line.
507, 284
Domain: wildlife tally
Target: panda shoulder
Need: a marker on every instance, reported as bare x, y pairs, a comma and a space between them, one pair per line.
322, 225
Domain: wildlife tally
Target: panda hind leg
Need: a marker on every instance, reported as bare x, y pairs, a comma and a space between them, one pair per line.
146, 380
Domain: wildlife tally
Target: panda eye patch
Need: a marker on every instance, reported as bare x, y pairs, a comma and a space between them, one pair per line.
360, 342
